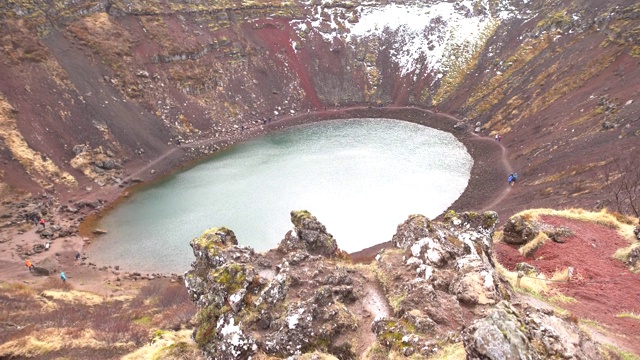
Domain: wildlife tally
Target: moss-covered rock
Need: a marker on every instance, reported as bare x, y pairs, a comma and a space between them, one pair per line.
519, 230
310, 236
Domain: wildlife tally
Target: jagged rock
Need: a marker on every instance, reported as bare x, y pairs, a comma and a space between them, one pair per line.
460, 126
46, 233
558, 234
636, 231
310, 236
518, 231
607, 125
498, 336
535, 334
38, 248
304, 301
634, 256
413, 229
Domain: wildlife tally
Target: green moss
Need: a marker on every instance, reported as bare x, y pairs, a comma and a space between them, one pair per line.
490, 219
559, 19
207, 319
231, 276
145, 320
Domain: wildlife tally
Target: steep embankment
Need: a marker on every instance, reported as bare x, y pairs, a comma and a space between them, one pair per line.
130, 80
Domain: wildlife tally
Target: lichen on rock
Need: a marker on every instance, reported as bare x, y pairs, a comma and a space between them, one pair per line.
300, 299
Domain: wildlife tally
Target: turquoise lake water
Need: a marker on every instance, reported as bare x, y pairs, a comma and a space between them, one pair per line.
360, 177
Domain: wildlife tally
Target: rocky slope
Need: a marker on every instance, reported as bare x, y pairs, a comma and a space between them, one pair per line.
438, 288
91, 91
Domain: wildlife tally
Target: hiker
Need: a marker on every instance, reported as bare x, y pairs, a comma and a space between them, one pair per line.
515, 177
29, 265
499, 138
47, 246
42, 222
78, 255
63, 276
510, 179
496, 137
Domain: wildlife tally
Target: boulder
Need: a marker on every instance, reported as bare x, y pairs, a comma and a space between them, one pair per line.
310, 236
506, 333
634, 256
460, 126
519, 231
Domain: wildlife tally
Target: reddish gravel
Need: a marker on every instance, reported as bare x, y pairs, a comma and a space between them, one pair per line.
604, 286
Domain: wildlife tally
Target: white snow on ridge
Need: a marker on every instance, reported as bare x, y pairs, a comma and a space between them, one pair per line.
423, 33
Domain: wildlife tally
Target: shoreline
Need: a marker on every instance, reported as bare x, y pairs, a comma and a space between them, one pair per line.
485, 184
483, 179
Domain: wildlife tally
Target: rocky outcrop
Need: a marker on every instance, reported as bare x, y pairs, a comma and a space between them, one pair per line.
518, 230
530, 334
310, 236
281, 303
306, 296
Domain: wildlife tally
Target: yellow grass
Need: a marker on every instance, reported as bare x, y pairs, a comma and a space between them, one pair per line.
168, 345
53, 339
450, 352
534, 244
602, 217
630, 315
80, 297
574, 170
40, 168
536, 286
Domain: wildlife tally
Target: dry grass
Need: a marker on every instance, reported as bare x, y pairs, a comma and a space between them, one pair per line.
529, 248
623, 224
39, 167
629, 315
536, 286
168, 345
574, 170
57, 318
450, 352
76, 297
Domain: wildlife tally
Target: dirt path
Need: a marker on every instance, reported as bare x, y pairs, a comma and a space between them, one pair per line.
507, 189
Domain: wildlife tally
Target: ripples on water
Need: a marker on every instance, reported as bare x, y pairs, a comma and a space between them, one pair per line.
359, 177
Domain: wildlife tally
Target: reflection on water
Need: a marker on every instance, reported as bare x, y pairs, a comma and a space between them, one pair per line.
359, 177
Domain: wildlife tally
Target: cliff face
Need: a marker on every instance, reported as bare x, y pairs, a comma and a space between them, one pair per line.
127, 80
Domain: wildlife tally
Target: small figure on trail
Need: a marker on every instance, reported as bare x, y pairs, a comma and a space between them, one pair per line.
510, 179
78, 255
499, 138
47, 246
28, 264
63, 276
515, 177
42, 222
496, 137
435, 109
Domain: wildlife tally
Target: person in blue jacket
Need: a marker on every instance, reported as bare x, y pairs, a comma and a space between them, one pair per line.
63, 276
510, 179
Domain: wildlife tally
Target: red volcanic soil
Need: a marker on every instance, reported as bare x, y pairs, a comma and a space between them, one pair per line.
602, 286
